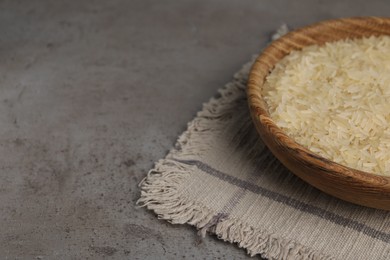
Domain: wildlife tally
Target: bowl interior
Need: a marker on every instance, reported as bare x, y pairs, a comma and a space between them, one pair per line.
343, 182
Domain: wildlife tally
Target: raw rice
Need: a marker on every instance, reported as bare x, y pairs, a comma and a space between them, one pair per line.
335, 100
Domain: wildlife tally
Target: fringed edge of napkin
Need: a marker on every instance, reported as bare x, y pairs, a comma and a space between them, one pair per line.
161, 190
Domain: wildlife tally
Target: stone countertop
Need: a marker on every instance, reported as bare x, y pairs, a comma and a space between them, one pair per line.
93, 92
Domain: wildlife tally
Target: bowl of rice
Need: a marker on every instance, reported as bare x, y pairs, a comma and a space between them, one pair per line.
320, 100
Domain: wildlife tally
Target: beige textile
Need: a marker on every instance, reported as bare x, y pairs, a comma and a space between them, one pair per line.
221, 179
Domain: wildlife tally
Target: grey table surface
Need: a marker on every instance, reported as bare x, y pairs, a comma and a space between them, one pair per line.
93, 92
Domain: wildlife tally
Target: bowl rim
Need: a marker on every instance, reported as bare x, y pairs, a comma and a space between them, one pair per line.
259, 112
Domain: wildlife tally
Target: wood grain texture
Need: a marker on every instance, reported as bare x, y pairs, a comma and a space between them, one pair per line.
352, 185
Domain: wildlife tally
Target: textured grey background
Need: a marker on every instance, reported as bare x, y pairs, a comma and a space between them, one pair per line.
93, 92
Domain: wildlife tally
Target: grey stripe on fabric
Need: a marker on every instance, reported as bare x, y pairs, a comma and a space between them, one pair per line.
264, 156
294, 203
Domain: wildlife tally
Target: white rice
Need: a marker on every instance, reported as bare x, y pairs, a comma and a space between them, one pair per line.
335, 100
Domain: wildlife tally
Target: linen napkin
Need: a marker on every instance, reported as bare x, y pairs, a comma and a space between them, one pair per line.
223, 180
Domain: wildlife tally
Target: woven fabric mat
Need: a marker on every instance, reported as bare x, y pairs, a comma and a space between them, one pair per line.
222, 179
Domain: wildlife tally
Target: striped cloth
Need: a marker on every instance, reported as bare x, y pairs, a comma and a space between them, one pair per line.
222, 179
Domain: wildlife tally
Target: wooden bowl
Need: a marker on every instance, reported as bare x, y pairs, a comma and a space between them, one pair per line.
352, 185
